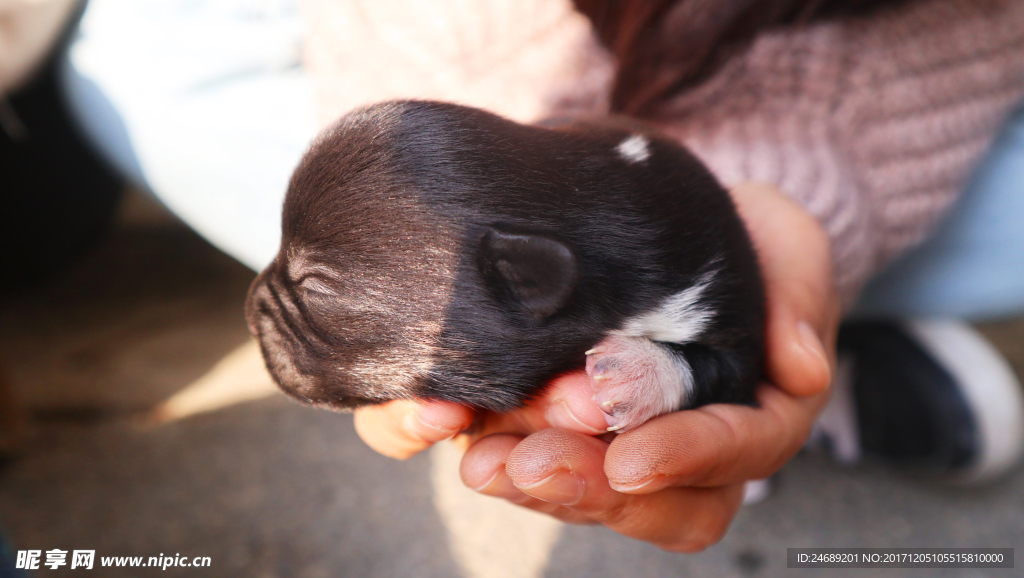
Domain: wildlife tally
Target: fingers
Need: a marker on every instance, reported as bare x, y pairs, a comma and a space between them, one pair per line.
483, 470
713, 445
401, 429
676, 482
566, 403
803, 311
566, 468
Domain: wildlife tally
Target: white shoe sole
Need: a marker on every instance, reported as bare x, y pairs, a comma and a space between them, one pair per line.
990, 387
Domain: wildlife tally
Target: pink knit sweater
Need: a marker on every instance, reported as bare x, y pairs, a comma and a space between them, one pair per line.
873, 124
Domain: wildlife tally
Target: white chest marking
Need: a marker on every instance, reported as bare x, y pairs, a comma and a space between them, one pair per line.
681, 318
635, 149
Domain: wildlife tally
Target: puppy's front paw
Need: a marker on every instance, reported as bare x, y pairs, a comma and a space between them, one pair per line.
635, 379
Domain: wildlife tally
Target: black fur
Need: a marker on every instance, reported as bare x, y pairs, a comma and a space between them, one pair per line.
436, 251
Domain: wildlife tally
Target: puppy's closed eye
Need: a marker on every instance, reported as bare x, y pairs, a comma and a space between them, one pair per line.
317, 284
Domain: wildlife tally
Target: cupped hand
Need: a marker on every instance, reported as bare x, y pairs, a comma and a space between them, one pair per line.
677, 481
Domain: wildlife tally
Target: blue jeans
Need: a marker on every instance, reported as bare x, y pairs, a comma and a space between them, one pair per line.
973, 267
206, 104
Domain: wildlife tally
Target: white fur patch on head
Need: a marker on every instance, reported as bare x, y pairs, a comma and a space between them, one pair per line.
679, 319
635, 149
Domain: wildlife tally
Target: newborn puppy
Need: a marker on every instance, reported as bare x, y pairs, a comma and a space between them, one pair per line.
436, 251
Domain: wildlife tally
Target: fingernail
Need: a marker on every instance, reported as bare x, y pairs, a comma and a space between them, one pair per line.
627, 488
484, 485
419, 425
561, 415
565, 488
811, 344
501, 486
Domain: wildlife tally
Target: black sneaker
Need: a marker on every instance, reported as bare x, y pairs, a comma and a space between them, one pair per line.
932, 397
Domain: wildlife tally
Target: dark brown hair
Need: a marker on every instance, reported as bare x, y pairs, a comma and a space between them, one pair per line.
663, 47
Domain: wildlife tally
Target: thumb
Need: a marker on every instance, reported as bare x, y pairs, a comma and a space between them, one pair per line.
803, 311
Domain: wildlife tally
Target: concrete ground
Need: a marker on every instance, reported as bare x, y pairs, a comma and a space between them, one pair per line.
228, 468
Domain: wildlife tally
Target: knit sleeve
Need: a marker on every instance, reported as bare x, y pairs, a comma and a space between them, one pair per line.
873, 124
524, 59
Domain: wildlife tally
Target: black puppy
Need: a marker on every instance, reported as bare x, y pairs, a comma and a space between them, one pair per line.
441, 252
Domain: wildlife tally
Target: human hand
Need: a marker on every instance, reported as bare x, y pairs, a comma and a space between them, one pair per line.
677, 480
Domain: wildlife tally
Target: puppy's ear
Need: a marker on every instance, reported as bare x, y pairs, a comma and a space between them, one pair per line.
535, 270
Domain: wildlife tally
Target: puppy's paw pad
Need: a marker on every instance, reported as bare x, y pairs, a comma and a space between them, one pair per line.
634, 380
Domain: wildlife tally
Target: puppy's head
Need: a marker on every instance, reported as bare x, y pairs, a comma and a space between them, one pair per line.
423, 256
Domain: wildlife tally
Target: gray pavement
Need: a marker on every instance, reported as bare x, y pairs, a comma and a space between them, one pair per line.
266, 487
